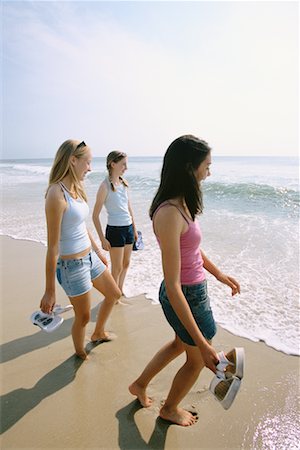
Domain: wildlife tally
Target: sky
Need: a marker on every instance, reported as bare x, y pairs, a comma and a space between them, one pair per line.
133, 76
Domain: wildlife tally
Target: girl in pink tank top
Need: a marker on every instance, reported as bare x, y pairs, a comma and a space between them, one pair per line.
183, 292
191, 271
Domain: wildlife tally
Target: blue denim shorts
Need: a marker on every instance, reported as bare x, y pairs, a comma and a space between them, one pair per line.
199, 303
119, 236
75, 275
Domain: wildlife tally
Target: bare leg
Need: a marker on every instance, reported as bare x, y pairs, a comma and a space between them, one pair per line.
182, 383
125, 265
107, 286
116, 258
81, 306
162, 358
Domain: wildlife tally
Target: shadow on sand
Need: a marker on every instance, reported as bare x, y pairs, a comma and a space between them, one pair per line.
15, 404
129, 436
19, 402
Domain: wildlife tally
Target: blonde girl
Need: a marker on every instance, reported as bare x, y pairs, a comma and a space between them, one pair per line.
72, 254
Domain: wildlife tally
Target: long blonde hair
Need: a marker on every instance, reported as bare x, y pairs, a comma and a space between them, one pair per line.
115, 157
62, 166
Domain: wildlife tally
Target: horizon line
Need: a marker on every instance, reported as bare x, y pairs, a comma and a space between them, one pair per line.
161, 156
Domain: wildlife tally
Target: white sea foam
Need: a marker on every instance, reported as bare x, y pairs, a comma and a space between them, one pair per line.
34, 169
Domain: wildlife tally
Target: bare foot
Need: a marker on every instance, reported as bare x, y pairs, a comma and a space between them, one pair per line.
178, 416
140, 392
120, 302
98, 338
82, 355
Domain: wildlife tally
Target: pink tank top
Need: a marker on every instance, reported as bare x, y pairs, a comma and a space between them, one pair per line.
192, 271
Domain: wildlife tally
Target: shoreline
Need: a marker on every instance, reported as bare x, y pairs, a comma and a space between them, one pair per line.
283, 348
87, 404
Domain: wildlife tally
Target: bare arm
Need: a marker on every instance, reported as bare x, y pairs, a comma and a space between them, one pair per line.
55, 207
133, 223
96, 248
220, 276
170, 247
100, 199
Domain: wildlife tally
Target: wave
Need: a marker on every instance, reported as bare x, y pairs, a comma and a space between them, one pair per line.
32, 169
265, 196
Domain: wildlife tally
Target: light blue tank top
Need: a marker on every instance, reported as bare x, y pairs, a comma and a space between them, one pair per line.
74, 237
116, 204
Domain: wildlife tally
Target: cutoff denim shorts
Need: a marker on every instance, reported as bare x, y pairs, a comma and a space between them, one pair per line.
199, 303
119, 236
75, 275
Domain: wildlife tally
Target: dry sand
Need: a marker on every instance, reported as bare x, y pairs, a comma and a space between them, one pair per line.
49, 399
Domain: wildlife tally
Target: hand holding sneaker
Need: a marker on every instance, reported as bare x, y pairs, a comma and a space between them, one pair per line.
230, 370
210, 357
49, 322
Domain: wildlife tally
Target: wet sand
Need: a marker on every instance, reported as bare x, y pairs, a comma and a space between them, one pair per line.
51, 399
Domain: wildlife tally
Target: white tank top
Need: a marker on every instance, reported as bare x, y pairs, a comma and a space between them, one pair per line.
74, 237
116, 204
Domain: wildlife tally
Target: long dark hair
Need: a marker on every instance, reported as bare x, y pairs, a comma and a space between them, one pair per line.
178, 179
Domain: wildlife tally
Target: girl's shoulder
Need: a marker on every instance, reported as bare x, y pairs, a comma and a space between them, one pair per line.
55, 190
55, 196
104, 185
162, 218
167, 211
170, 212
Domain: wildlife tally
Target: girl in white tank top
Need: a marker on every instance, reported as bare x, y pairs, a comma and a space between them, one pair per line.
120, 232
72, 254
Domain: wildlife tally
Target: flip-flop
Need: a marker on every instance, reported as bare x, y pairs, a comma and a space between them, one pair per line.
232, 363
138, 244
226, 390
47, 322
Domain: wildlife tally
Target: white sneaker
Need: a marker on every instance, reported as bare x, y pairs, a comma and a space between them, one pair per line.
225, 390
47, 322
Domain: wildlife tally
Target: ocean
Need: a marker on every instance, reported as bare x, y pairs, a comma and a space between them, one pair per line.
250, 230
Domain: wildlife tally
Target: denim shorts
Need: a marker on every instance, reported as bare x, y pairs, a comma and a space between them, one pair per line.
119, 236
75, 275
199, 303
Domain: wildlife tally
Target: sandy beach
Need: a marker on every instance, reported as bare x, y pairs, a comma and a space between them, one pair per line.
50, 399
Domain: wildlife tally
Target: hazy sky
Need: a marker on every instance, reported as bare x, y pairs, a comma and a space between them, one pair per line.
134, 76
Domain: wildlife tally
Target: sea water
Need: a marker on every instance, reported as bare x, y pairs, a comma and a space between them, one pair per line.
249, 224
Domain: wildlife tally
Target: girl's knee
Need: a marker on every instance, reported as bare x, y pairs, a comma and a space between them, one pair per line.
116, 271
83, 319
114, 294
126, 264
195, 362
177, 346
